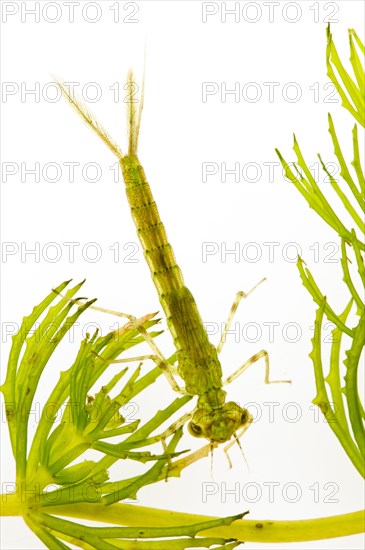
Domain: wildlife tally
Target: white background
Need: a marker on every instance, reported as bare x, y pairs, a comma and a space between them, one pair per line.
179, 133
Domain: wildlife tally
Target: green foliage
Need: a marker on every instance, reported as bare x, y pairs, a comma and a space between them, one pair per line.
51, 470
337, 397
54, 479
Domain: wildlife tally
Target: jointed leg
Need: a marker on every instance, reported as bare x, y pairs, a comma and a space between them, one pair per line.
170, 431
163, 364
157, 357
181, 463
263, 353
133, 323
176, 425
239, 296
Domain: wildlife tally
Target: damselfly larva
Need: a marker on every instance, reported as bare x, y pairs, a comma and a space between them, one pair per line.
198, 364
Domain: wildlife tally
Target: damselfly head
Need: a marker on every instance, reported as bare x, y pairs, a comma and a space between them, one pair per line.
218, 425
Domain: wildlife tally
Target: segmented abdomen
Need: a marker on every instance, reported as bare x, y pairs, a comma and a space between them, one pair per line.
182, 314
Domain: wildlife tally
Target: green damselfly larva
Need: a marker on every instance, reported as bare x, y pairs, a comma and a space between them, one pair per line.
213, 418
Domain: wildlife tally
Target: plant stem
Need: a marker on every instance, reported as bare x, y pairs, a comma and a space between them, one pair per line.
249, 530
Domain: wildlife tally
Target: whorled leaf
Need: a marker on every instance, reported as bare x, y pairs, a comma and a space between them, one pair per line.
344, 400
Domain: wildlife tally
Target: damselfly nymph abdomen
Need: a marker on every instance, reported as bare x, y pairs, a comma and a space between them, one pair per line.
197, 359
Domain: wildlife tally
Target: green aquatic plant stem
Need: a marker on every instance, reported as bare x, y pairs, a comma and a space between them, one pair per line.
337, 389
333, 407
351, 92
51, 469
249, 530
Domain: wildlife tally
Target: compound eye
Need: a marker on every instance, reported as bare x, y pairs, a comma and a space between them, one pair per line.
244, 417
195, 429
